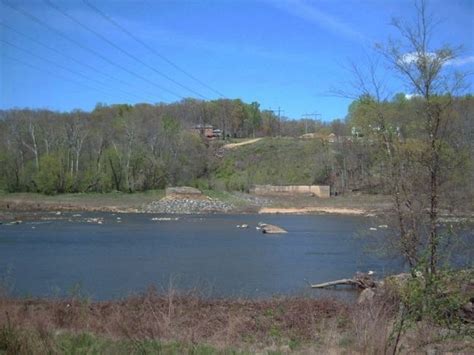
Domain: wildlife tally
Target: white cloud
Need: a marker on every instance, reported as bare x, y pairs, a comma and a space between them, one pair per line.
410, 58
457, 62
306, 11
411, 96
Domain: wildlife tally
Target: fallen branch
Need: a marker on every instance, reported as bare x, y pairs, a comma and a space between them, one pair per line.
359, 280
350, 282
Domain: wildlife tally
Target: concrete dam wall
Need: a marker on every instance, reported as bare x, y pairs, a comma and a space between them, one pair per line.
322, 191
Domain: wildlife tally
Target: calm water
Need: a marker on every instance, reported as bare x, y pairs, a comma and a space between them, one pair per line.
111, 260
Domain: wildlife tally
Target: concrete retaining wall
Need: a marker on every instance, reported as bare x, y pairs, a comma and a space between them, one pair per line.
322, 191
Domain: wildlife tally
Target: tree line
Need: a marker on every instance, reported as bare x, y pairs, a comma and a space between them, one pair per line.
142, 147
121, 147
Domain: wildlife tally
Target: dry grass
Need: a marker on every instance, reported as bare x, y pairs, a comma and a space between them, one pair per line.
256, 324
111, 202
187, 323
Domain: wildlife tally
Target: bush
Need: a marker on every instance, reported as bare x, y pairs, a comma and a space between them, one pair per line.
437, 298
52, 177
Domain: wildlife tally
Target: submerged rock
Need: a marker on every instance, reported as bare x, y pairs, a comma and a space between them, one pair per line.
272, 229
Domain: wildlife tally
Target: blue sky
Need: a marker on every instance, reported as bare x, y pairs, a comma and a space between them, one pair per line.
280, 53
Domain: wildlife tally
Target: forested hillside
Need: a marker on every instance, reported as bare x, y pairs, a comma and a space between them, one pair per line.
146, 147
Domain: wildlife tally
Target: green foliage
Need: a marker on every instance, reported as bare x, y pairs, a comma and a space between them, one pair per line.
52, 177
10, 341
137, 148
273, 161
18, 341
436, 298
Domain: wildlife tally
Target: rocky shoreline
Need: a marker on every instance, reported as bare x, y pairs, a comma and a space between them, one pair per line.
206, 202
188, 206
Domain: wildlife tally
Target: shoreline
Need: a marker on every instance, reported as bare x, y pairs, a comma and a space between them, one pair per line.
316, 210
214, 203
249, 326
173, 322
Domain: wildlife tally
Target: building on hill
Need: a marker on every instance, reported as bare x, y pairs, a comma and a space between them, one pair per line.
207, 131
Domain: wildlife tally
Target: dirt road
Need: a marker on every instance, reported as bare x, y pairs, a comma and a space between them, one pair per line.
235, 145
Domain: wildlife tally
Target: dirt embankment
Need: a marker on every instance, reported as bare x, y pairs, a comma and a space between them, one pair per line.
306, 210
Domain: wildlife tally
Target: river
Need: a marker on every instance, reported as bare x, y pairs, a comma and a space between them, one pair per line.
127, 253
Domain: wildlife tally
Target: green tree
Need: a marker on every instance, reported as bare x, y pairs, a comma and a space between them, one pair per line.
53, 177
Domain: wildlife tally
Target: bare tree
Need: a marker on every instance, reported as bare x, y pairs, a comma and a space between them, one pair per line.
427, 74
414, 165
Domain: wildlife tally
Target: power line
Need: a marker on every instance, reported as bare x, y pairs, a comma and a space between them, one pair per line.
60, 65
65, 55
105, 39
314, 114
151, 49
37, 20
49, 72
279, 118
307, 116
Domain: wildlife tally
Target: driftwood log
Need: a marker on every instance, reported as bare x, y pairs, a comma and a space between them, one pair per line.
360, 280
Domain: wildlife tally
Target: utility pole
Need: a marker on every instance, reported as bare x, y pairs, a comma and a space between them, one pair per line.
280, 111
306, 116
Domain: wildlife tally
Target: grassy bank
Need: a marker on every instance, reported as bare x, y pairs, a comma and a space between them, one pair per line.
175, 323
169, 323
276, 161
112, 201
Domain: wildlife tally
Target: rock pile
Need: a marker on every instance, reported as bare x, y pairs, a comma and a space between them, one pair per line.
188, 206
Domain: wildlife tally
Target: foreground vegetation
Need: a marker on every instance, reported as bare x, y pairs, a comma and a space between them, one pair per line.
399, 318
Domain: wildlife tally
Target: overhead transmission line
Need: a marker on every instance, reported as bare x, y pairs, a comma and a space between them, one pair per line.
60, 65
49, 72
59, 33
127, 53
71, 58
151, 49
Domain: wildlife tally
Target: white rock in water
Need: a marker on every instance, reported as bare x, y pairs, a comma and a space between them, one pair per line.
272, 229
244, 226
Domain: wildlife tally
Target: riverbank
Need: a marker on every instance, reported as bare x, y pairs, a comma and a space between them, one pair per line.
214, 202
146, 321
174, 323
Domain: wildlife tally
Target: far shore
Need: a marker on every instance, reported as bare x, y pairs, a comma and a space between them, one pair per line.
308, 210
221, 202
211, 202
